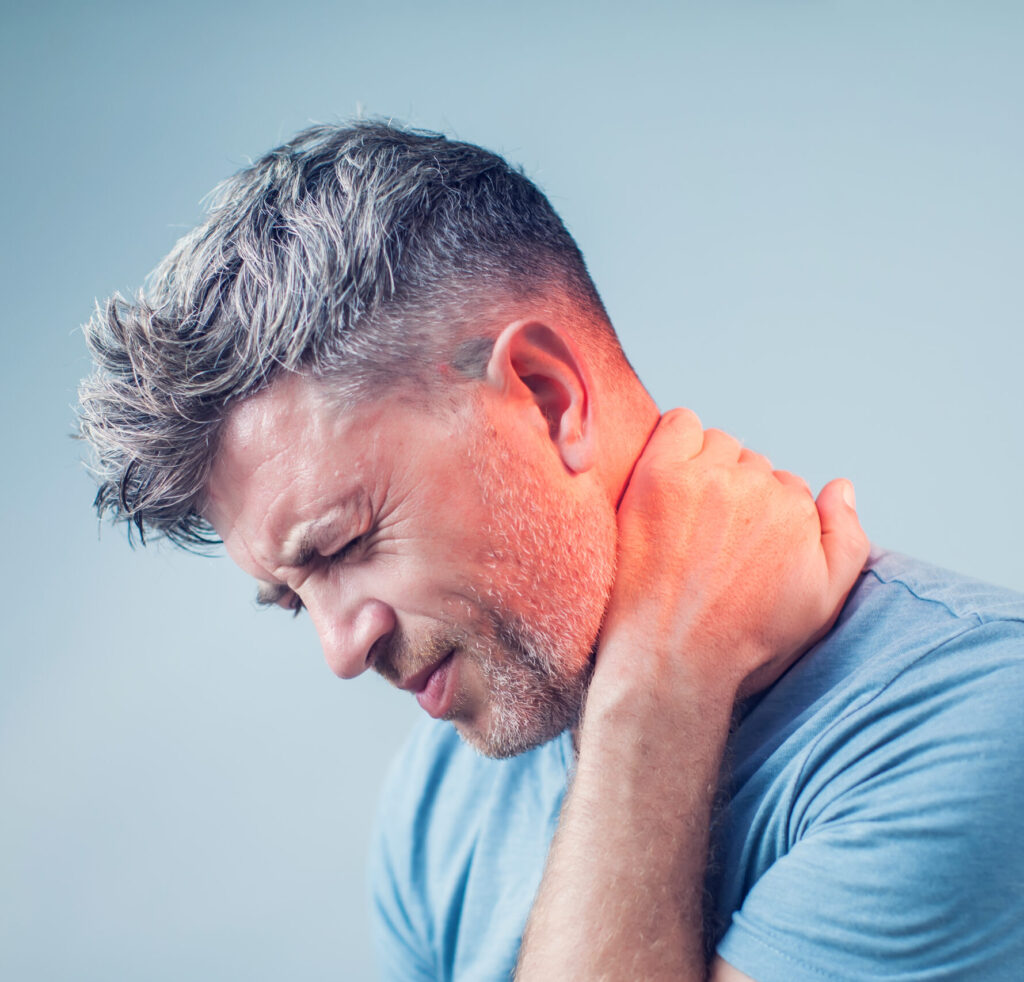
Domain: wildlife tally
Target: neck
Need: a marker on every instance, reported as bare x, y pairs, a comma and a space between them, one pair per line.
636, 416
630, 416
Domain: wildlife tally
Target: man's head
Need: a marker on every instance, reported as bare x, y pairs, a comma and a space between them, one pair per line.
360, 304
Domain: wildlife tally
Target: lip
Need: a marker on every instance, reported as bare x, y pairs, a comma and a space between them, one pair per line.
416, 683
436, 690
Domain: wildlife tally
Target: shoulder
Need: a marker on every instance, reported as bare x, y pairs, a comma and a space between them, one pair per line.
927, 591
933, 703
431, 755
418, 801
458, 852
912, 640
432, 784
437, 781
885, 783
937, 648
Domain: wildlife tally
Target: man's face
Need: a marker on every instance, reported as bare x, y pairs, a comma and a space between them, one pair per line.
451, 551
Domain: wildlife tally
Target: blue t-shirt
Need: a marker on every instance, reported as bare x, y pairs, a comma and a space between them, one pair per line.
873, 819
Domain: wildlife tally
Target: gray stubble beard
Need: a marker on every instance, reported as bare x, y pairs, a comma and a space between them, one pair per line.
533, 699
556, 554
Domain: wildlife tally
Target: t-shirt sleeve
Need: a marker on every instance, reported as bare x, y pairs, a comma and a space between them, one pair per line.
906, 858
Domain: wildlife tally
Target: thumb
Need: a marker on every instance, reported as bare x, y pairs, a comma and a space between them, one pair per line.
844, 542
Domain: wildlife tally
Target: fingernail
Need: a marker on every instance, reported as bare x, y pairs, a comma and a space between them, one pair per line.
848, 495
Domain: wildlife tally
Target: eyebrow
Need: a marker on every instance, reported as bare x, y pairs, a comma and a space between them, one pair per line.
270, 594
305, 552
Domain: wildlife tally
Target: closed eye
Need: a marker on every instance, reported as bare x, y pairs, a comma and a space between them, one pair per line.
350, 547
276, 595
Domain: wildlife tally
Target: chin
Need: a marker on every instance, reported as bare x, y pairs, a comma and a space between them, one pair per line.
521, 718
502, 745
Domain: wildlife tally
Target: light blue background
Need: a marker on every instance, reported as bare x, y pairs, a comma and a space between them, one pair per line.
805, 219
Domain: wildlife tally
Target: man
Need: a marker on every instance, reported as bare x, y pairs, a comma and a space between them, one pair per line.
380, 374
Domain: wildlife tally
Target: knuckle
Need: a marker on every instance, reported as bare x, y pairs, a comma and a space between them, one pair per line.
721, 441
748, 456
676, 438
681, 417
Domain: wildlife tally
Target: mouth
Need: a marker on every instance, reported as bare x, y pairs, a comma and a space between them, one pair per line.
432, 686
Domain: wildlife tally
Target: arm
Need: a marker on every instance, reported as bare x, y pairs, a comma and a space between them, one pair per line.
727, 571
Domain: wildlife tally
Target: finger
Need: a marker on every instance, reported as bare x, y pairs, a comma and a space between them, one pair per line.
793, 480
845, 543
679, 432
720, 446
753, 459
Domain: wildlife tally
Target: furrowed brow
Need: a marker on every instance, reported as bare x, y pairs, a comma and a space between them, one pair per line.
305, 552
271, 594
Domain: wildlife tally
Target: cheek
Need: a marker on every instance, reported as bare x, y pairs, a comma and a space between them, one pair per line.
438, 581
453, 559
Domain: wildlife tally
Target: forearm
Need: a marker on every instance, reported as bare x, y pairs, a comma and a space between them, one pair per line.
622, 893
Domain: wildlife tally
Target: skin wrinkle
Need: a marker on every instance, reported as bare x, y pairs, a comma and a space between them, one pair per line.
510, 571
529, 553
363, 253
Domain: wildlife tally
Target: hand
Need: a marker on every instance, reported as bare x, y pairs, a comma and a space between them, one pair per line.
727, 570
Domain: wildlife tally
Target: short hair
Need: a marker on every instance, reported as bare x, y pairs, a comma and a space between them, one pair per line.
354, 252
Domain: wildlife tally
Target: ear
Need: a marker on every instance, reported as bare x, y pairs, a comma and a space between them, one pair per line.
540, 367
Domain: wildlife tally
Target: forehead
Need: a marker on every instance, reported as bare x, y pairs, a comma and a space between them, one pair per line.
299, 406
286, 441
291, 402
292, 449
291, 418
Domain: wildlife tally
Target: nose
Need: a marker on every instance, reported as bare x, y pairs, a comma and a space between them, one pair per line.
349, 632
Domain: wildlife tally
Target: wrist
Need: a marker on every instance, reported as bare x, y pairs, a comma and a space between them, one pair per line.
634, 717
640, 679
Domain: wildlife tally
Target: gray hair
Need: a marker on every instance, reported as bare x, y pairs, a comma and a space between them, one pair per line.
360, 254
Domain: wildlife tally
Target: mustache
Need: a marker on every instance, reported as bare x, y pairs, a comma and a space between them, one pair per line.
398, 656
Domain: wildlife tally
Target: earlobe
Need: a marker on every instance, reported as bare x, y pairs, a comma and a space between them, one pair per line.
541, 367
